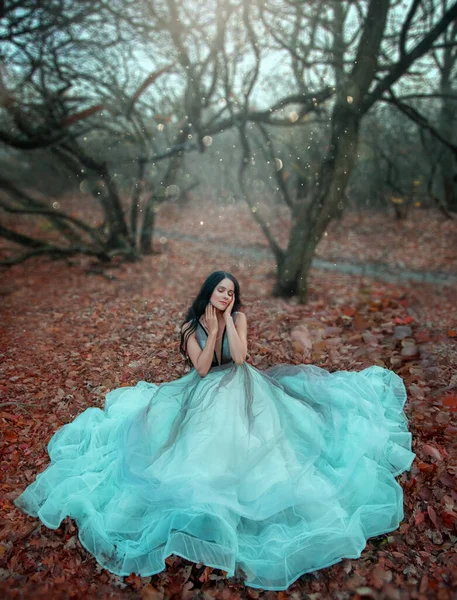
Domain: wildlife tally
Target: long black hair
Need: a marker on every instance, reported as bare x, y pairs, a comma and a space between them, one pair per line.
199, 305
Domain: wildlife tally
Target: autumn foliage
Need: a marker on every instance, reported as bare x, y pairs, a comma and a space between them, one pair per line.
68, 337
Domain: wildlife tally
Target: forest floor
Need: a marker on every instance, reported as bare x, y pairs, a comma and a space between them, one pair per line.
68, 337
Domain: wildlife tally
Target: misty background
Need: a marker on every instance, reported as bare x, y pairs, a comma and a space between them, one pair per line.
319, 107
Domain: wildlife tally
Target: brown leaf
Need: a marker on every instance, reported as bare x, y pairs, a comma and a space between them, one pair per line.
432, 451
204, 577
420, 518
380, 576
134, 581
149, 592
428, 468
432, 514
301, 336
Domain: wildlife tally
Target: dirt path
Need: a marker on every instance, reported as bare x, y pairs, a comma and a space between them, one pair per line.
376, 270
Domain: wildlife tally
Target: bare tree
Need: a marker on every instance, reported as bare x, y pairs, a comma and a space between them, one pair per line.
360, 47
59, 104
334, 61
447, 66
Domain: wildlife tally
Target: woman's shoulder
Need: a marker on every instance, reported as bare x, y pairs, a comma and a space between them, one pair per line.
187, 325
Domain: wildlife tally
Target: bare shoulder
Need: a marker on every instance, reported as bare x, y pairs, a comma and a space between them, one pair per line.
240, 318
242, 328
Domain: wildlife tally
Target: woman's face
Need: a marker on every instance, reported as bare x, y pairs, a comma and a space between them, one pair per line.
222, 294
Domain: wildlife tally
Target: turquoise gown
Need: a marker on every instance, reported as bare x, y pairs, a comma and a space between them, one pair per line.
266, 474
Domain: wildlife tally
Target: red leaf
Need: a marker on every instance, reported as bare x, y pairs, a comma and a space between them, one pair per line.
449, 518
420, 518
428, 468
204, 577
8, 416
448, 480
422, 337
450, 400
432, 515
135, 581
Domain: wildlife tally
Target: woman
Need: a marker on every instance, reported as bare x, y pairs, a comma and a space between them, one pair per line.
264, 474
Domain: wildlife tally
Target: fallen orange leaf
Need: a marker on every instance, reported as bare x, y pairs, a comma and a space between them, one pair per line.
451, 401
420, 518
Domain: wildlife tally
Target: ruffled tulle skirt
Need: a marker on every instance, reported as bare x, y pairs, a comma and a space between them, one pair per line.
265, 474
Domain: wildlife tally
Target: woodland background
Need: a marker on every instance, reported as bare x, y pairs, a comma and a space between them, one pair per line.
307, 147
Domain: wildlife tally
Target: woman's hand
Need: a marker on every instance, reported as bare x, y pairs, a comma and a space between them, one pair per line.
211, 319
228, 311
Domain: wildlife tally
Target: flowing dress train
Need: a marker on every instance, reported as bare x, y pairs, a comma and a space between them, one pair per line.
266, 474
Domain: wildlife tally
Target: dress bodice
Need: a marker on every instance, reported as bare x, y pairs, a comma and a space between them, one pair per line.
202, 335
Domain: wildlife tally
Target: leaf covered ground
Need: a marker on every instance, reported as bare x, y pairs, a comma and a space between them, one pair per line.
68, 337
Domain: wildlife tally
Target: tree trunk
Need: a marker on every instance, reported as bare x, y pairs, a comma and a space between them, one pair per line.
289, 266
119, 235
348, 111
309, 224
447, 128
147, 227
151, 207
135, 199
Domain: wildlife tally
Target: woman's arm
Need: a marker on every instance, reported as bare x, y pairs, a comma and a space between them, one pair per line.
202, 359
237, 337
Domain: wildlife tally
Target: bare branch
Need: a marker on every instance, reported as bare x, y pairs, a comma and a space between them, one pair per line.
56, 252
279, 178
245, 159
406, 25
422, 121
408, 59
